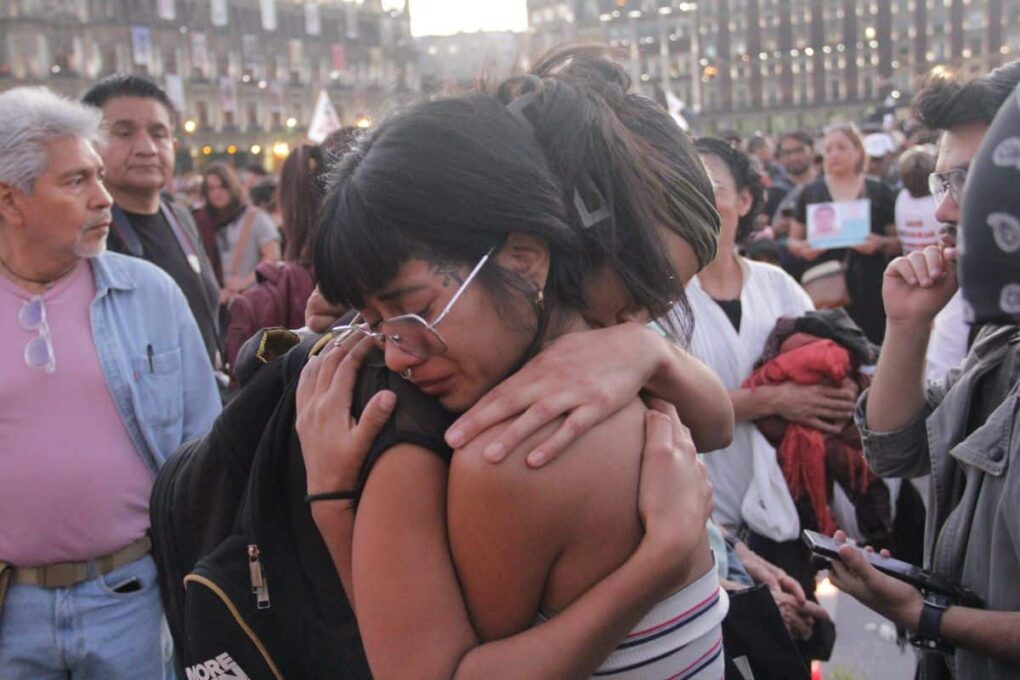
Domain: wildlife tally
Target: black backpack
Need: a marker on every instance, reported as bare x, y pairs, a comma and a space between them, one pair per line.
248, 586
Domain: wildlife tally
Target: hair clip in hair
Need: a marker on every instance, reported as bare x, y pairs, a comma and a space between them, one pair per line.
517, 106
590, 218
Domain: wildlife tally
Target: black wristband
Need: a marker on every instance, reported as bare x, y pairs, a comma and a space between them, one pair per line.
931, 620
332, 496
928, 636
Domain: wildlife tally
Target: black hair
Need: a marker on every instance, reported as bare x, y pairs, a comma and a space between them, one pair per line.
731, 136
915, 165
800, 136
945, 102
263, 194
745, 176
255, 168
631, 154
447, 180
128, 85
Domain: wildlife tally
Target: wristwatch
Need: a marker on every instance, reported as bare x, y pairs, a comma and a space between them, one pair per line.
927, 636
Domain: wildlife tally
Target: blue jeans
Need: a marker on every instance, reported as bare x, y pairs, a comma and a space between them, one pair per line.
88, 631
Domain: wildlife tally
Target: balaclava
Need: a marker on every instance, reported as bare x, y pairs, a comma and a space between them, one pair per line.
989, 264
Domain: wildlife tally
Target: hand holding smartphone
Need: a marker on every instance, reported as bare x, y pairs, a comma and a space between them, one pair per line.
923, 580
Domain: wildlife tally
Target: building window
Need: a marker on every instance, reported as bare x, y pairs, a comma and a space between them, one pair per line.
253, 117
202, 110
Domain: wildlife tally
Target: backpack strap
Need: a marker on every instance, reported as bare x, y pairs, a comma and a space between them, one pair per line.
242, 241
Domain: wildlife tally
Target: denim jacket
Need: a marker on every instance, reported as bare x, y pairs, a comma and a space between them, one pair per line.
152, 355
973, 525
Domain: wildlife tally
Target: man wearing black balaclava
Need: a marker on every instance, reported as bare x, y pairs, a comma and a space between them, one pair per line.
964, 430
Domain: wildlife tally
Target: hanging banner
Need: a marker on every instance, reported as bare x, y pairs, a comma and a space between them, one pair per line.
122, 56
295, 56
141, 45
41, 64
276, 96
233, 64
339, 54
313, 24
325, 120
76, 62
218, 12
268, 10
228, 94
165, 9
249, 51
175, 91
94, 59
199, 52
282, 66
352, 21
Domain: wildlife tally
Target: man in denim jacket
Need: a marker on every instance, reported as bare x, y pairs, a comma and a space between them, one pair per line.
104, 375
963, 430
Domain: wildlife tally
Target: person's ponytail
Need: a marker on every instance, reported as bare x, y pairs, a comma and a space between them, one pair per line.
626, 169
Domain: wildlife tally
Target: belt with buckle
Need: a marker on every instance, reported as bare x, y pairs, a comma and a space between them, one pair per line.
67, 574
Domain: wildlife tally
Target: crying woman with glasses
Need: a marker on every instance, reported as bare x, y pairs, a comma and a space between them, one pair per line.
496, 247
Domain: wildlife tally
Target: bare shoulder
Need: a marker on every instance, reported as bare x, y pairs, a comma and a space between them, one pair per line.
611, 445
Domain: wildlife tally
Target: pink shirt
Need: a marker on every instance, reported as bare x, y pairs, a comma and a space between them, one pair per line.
72, 485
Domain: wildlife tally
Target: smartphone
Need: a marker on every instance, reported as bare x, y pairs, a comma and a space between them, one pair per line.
904, 571
132, 585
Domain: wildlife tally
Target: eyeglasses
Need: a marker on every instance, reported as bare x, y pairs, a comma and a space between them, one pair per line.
410, 332
39, 350
950, 182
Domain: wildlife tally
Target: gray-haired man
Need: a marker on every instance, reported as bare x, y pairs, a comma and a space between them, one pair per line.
104, 375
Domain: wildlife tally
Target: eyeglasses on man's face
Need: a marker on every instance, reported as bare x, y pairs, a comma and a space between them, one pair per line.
410, 332
950, 182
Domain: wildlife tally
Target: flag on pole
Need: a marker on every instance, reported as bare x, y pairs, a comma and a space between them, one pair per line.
325, 120
676, 107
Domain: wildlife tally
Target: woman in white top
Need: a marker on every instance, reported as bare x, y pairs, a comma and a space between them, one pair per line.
916, 224
736, 303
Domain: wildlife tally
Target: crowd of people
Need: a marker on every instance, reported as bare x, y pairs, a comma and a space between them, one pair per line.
430, 403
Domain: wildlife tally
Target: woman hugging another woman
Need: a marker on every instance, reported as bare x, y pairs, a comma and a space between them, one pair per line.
472, 235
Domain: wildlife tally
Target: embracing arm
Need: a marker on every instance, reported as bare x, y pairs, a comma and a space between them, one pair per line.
587, 377
509, 526
696, 392
421, 629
